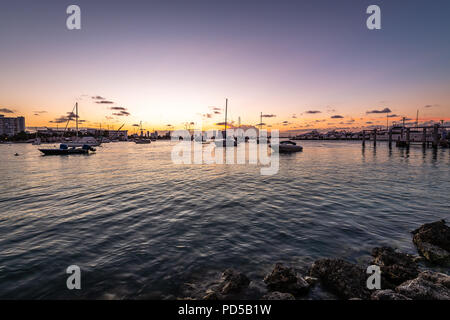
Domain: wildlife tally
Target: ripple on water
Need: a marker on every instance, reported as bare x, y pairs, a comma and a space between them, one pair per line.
139, 226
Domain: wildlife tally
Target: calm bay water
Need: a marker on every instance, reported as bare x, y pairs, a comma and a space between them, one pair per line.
139, 226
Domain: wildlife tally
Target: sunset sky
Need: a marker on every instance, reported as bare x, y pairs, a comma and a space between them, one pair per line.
304, 64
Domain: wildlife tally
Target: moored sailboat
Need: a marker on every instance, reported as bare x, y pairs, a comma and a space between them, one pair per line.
226, 141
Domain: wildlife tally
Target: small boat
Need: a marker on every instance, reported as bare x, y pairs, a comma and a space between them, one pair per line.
226, 143
142, 141
288, 147
65, 150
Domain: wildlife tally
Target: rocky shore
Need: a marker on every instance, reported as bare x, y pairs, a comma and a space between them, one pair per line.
402, 275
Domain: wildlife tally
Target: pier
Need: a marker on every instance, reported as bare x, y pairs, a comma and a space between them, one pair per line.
434, 136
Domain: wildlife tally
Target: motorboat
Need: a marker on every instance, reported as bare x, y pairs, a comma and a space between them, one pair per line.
287, 147
142, 141
65, 150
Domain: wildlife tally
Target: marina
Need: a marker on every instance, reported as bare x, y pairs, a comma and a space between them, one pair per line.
210, 152
339, 201
434, 136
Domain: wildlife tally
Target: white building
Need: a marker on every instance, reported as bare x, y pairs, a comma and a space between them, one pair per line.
11, 126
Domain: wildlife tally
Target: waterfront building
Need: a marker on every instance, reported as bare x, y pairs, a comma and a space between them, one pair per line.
11, 126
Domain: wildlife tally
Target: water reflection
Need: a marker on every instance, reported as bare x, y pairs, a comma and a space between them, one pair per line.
140, 225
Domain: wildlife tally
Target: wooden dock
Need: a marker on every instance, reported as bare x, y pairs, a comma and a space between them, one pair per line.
434, 136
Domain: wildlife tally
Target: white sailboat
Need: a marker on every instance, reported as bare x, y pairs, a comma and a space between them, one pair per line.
79, 142
142, 139
37, 140
226, 141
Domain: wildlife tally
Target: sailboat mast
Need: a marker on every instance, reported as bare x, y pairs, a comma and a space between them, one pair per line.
76, 117
260, 122
226, 111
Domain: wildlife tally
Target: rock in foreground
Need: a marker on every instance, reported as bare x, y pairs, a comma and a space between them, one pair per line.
286, 280
231, 286
345, 279
233, 281
433, 242
278, 296
388, 295
427, 286
396, 267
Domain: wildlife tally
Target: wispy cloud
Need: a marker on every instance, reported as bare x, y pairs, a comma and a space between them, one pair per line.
313, 111
101, 100
104, 102
337, 117
223, 123
385, 110
121, 114
268, 116
6, 110
68, 117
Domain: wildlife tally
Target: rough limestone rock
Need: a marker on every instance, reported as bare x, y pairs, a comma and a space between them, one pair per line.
433, 242
286, 280
345, 279
233, 282
427, 286
278, 296
311, 280
396, 267
211, 295
387, 295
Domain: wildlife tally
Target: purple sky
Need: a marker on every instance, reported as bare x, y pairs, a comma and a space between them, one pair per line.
172, 61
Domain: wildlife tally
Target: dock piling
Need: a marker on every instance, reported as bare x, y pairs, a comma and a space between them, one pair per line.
424, 137
435, 135
390, 138
374, 137
364, 138
408, 136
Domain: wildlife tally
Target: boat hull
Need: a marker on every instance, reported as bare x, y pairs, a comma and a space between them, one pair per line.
55, 152
282, 148
289, 149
